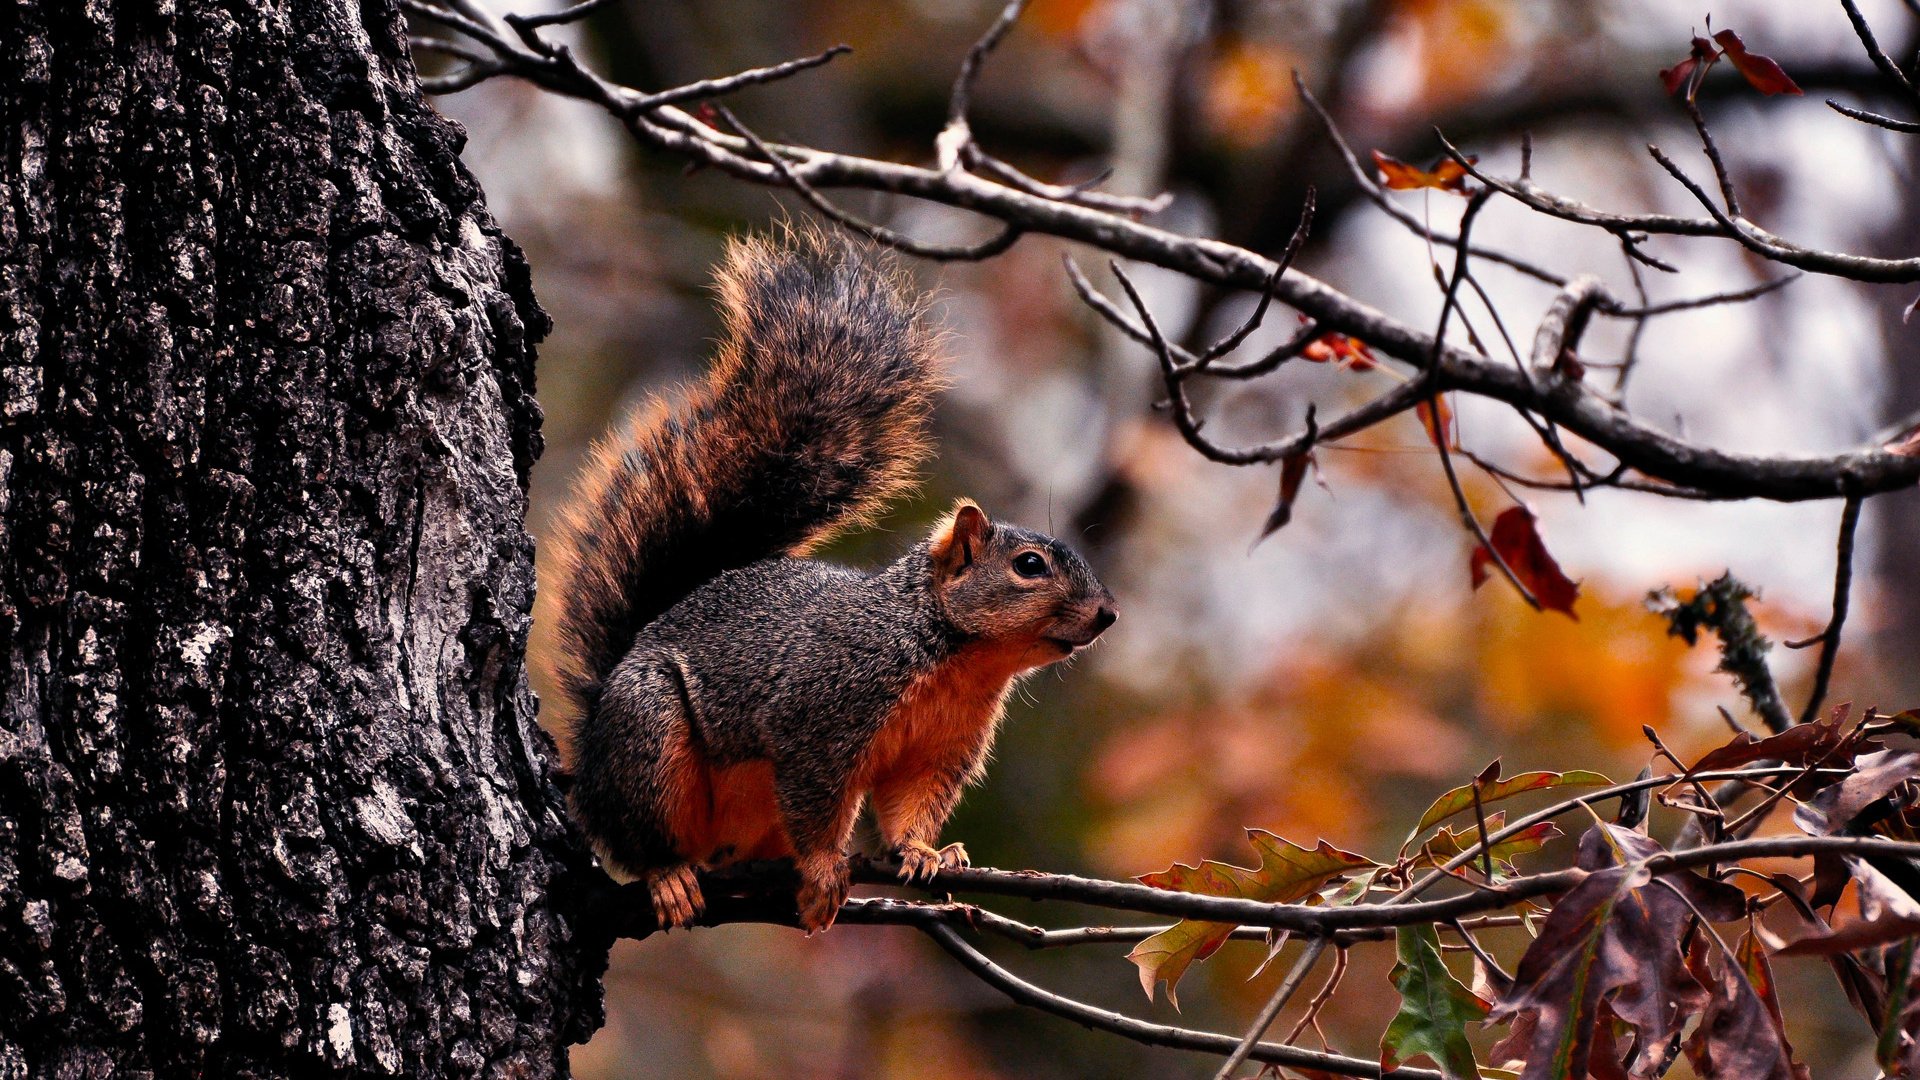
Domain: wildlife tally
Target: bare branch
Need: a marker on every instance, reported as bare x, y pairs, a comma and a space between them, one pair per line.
1660, 457
1141, 1031
986, 249
1874, 118
1854, 267
1879, 56
1400, 213
558, 18
1842, 589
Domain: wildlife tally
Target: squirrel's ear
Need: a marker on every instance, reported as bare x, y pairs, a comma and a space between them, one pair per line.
958, 537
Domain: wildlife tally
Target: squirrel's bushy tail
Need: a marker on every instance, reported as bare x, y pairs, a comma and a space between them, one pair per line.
813, 416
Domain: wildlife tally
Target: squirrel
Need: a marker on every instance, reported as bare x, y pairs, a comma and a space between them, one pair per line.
737, 700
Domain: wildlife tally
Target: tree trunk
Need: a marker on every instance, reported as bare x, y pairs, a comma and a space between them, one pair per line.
272, 798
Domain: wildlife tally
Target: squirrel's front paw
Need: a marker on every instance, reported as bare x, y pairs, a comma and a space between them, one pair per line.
824, 884
676, 896
919, 862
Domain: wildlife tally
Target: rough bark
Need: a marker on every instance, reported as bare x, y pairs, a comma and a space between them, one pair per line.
272, 798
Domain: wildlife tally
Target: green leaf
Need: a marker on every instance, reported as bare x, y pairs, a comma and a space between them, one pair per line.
1493, 789
1446, 844
1287, 874
1434, 1009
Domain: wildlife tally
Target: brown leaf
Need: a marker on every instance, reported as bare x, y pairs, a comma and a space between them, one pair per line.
1856, 935
1617, 933
1516, 538
1293, 469
1875, 775
1446, 843
1803, 744
1740, 1034
1761, 72
1445, 174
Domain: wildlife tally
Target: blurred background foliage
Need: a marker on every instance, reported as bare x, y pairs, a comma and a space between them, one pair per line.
1328, 682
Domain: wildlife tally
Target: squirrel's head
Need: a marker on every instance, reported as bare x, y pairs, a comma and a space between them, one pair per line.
1004, 585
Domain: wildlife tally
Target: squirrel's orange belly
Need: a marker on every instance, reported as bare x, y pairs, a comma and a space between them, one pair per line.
744, 822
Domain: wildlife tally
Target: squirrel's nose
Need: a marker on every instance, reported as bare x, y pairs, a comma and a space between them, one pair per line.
1103, 619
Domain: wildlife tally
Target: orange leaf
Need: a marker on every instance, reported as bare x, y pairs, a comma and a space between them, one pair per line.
1445, 174
1439, 427
1349, 352
1518, 542
1762, 72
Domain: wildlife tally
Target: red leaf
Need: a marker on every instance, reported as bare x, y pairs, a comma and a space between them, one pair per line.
1518, 542
1761, 71
1445, 174
1688, 72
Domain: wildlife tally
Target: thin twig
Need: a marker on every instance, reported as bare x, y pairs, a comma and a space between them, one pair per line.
1271, 1010
1842, 589
986, 249
1139, 1030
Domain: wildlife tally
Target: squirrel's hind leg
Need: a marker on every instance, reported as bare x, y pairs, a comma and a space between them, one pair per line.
818, 804
643, 790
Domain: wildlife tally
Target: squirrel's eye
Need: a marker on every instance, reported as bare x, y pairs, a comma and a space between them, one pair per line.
1029, 565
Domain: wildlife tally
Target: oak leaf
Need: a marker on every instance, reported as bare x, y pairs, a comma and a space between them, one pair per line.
1434, 1009
1287, 874
1493, 789
1741, 1034
1614, 940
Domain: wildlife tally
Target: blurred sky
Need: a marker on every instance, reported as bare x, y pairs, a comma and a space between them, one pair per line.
1331, 680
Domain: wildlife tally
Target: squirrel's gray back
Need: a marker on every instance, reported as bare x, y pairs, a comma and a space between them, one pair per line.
765, 649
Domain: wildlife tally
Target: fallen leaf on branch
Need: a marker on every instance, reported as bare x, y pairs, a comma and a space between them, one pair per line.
1493, 789
1515, 536
1434, 1009
1287, 874
1445, 174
